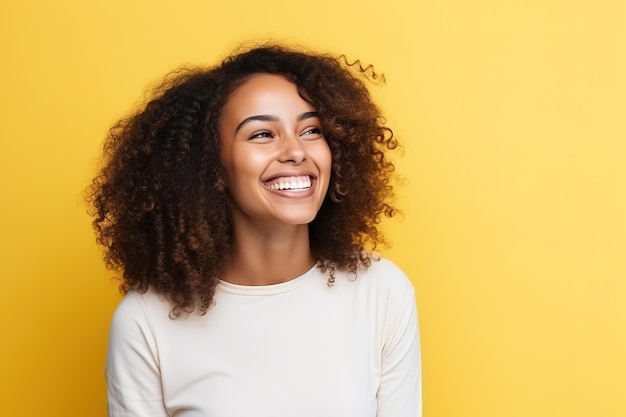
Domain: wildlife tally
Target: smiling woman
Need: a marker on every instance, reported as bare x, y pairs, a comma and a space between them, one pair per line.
238, 206
277, 162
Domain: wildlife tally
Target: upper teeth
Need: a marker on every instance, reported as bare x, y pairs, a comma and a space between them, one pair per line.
291, 183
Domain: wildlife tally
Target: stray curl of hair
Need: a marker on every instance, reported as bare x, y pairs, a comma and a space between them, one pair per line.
158, 207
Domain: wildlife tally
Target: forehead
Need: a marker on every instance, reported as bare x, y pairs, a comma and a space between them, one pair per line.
266, 91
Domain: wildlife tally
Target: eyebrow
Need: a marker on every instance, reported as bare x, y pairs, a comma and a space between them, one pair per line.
271, 118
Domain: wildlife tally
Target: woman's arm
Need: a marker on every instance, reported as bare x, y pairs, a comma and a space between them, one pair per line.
400, 391
132, 367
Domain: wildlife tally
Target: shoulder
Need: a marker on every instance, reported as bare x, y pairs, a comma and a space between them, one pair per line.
138, 311
384, 274
382, 280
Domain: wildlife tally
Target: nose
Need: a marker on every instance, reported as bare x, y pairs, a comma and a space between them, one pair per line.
292, 150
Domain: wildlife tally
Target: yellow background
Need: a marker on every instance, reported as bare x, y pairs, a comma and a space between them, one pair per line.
513, 120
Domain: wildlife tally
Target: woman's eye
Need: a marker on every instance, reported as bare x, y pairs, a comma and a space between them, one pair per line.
313, 131
264, 134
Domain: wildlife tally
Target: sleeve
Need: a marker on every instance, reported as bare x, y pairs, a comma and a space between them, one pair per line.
400, 391
132, 367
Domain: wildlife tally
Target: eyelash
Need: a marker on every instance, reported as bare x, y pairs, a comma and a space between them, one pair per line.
314, 130
262, 135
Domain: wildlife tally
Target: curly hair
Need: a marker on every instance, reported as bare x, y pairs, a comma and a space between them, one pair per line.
160, 212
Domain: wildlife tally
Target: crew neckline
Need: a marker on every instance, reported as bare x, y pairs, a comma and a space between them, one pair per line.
271, 289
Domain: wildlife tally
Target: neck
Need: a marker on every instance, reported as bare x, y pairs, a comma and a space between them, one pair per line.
268, 254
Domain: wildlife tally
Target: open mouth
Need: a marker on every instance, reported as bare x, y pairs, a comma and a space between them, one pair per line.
299, 183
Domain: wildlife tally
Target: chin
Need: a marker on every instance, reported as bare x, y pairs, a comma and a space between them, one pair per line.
297, 220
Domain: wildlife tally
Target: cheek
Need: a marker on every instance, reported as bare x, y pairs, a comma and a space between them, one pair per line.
247, 164
324, 158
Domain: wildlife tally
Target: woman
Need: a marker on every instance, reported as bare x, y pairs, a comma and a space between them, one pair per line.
238, 205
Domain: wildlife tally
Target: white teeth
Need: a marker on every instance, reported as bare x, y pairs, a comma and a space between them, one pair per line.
293, 183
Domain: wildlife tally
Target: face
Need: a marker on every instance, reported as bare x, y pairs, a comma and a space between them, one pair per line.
276, 159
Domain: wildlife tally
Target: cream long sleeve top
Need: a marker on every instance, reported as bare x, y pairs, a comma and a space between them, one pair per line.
295, 349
